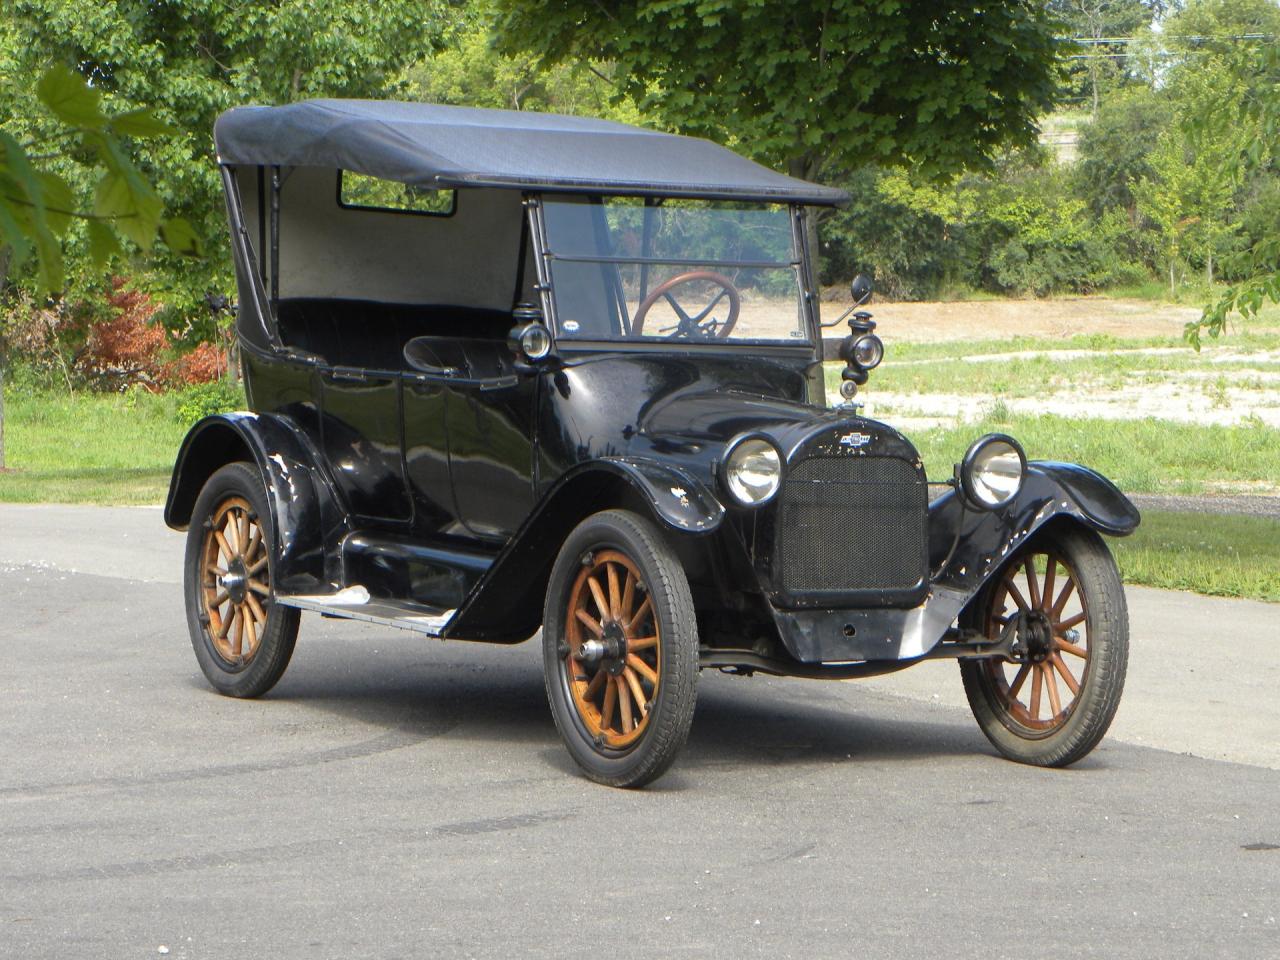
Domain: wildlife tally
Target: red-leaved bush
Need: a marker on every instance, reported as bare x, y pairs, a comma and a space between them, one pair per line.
126, 349
204, 364
73, 342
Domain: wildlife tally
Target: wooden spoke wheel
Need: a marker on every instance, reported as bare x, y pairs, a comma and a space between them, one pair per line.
620, 649
611, 661
242, 640
1062, 593
236, 580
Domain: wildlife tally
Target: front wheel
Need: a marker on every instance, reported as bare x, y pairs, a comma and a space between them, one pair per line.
620, 649
1055, 706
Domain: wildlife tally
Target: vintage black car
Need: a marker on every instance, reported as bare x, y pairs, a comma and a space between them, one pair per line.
512, 371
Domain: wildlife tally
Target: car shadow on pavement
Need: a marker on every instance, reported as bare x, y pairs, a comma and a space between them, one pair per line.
486, 695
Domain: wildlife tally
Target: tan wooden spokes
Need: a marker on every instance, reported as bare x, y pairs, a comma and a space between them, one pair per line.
1041, 695
235, 581
614, 695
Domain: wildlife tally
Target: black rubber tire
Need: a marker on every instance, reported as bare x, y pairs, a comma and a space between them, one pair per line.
1108, 629
281, 630
672, 714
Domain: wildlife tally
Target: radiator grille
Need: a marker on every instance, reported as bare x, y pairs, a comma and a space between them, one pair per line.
851, 523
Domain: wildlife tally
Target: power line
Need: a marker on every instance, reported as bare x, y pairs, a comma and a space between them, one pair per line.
1189, 38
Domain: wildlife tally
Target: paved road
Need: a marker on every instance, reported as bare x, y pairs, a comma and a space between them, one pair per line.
401, 797
1248, 505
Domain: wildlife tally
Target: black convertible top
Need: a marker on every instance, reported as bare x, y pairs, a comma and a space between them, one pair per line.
440, 146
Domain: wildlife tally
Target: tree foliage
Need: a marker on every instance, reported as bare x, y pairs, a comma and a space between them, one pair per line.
812, 83
1259, 264
38, 205
192, 59
468, 70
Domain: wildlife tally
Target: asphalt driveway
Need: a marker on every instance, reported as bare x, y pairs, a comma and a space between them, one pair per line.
402, 797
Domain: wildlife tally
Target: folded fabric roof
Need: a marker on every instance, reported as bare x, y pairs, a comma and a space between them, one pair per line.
438, 146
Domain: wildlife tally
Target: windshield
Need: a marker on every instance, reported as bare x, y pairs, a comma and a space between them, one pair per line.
625, 268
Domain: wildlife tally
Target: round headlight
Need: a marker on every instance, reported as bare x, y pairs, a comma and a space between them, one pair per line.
753, 471
868, 351
992, 472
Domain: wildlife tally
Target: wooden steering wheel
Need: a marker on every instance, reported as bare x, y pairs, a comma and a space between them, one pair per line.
696, 327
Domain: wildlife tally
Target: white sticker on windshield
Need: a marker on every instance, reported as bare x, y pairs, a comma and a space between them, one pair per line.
571, 326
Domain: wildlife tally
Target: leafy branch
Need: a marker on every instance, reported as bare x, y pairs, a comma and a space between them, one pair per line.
1261, 262
37, 206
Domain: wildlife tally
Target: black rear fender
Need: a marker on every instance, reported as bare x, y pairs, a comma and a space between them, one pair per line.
306, 518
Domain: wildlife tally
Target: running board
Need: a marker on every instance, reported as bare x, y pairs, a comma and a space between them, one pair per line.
354, 603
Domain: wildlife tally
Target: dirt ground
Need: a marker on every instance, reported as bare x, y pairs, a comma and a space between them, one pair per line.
1200, 396
996, 319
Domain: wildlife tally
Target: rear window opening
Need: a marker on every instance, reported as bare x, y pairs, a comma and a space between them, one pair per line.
359, 192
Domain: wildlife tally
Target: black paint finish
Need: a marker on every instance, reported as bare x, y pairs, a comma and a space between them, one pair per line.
445, 471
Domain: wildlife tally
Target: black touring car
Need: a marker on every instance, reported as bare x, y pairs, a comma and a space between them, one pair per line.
511, 371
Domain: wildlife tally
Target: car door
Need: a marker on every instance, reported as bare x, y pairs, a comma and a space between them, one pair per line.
491, 429
360, 432
426, 456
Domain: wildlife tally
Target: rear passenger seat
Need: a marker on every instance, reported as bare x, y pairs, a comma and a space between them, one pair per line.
370, 334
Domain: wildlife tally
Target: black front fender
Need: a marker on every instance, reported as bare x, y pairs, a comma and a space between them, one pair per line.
966, 549
506, 604
982, 540
306, 518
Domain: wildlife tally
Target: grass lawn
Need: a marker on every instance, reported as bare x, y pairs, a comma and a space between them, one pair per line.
1140, 456
1226, 556
89, 448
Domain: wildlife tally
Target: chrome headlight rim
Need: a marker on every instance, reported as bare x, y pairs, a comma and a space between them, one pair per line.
867, 351
970, 478
736, 448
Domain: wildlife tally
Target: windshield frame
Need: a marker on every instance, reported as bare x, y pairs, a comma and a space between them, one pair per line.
544, 256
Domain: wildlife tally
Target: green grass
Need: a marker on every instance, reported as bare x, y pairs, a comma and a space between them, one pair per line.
1254, 339
1227, 556
1035, 375
89, 448
1140, 456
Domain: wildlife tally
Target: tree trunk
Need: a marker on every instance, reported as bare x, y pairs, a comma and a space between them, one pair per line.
1208, 268
1, 410
4, 348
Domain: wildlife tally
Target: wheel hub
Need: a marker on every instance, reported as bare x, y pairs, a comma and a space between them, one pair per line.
610, 651
615, 648
1035, 633
236, 580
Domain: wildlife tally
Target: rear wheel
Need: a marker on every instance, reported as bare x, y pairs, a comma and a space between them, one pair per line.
620, 649
242, 639
1065, 591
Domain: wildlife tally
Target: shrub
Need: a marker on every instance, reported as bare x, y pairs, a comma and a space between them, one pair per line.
127, 348
205, 399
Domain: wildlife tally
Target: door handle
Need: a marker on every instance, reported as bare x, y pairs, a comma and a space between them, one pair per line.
349, 375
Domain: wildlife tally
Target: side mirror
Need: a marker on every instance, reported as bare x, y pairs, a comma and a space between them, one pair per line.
861, 289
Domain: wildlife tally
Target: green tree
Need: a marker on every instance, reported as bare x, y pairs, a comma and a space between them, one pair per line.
196, 58
38, 206
1105, 22
1115, 147
1166, 198
808, 83
1259, 265
468, 70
